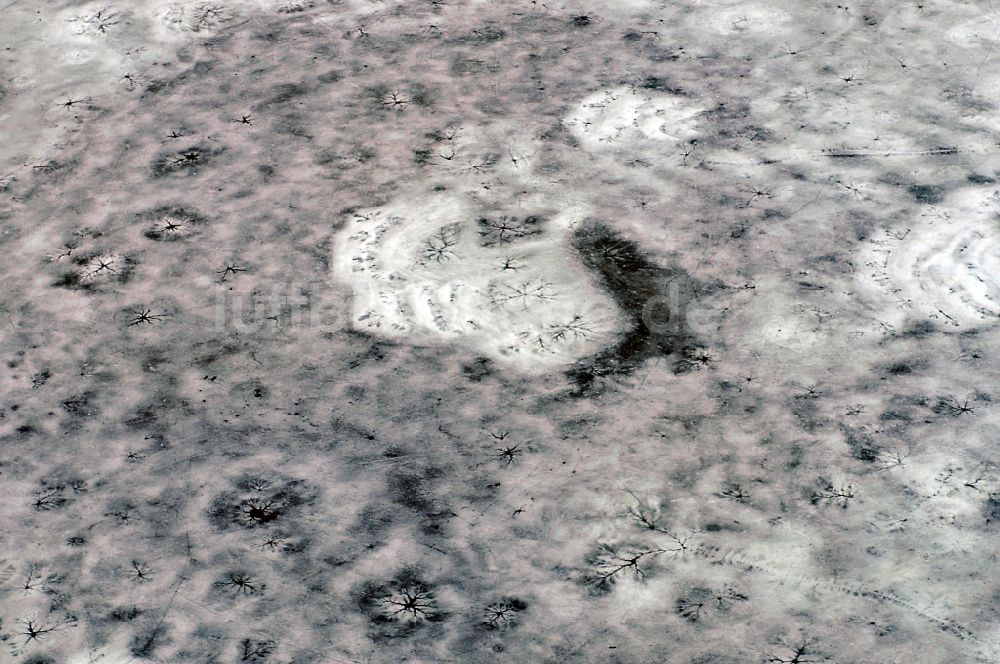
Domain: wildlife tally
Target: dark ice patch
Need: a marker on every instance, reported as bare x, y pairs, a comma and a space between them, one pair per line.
653, 298
926, 194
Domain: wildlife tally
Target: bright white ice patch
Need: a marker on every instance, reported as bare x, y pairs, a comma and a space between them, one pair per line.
501, 282
746, 18
624, 114
946, 263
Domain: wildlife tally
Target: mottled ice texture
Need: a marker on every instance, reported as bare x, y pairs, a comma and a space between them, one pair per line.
623, 332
